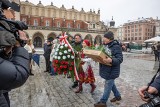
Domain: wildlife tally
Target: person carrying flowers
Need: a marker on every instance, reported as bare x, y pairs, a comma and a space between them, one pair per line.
86, 75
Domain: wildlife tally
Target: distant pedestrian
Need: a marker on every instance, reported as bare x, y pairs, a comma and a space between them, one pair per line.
154, 50
110, 73
47, 53
158, 50
30, 48
146, 45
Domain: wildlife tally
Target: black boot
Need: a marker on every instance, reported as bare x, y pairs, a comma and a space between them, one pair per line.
75, 84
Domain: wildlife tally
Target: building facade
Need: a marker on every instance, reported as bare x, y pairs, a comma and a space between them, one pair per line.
140, 30
120, 33
157, 27
48, 22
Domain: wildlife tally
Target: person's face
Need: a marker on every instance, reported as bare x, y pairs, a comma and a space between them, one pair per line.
106, 40
84, 44
77, 39
70, 38
48, 43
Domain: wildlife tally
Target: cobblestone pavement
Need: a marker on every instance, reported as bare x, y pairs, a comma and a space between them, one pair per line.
43, 90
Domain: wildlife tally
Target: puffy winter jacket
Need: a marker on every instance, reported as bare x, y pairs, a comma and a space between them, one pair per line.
112, 72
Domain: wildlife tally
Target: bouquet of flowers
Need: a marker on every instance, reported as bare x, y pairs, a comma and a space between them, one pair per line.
98, 53
64, 58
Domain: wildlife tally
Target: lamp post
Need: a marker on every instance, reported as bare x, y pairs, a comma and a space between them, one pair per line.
74, 22
53, 21
64, 19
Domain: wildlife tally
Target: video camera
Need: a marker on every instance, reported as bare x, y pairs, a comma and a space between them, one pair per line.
14, 26
154, 100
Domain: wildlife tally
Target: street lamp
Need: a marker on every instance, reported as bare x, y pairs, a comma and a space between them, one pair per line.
74, 22
64, 19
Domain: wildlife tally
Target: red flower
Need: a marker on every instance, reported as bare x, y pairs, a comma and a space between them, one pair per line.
62, 62
65, 72
72, 63
56, 61
61, 67
66, 63
70, 68
65, 66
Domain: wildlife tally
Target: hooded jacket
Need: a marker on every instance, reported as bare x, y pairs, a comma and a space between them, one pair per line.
112, 72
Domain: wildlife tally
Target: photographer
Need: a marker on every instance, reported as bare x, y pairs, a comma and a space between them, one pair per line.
154, 88
14, 59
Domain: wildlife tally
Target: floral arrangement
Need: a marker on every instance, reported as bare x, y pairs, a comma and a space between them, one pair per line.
64, 58
102, 48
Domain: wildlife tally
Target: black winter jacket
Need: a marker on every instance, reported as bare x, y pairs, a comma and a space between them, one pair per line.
13, 72
112, 72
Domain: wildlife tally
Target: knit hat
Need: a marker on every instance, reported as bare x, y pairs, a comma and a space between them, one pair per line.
87, 42
109, 35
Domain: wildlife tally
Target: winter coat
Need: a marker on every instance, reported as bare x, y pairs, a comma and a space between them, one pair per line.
112, 72
156, 83
14, 71
48, 51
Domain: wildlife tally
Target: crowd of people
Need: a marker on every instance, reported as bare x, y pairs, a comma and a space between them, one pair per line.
16, 66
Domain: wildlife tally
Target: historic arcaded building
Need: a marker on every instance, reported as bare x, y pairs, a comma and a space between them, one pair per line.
157, 27
49, 21
139, 30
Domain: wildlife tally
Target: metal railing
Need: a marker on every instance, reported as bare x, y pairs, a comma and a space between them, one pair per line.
64, 29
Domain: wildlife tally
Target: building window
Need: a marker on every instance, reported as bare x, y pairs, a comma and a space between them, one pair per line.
135, 38
47, 23
94, 26
78, 26
139, 38
68, 25
35, 22
58, 24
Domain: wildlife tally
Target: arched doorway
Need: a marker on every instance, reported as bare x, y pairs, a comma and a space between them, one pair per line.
98, 40
38, 40
51, 36
89, 37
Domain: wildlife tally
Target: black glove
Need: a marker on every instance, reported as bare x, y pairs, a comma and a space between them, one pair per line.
19, 25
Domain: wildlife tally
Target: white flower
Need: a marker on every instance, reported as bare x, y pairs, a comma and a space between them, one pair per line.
56, 53
57, 49
59, 57
62, 43
65, 51
66, 45
55, 57
61, 47
64, 57
72, 57
68, 56
60, 53
69, 50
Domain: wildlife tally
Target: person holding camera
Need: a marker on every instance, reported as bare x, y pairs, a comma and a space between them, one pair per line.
14, 59
150, 93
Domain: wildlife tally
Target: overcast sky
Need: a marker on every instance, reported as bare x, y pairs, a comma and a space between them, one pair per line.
121, 10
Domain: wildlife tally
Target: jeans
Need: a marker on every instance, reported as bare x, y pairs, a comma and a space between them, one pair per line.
108, 87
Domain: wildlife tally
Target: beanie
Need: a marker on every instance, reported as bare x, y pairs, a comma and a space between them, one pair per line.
109, 35
87, 42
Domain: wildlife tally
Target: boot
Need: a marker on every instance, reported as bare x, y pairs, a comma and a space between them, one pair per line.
93, 86
80, 89
75, 84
